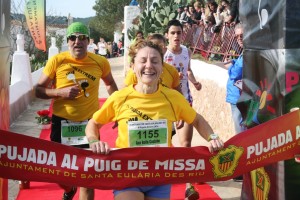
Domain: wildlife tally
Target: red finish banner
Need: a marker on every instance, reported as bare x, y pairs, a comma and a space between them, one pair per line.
27, 158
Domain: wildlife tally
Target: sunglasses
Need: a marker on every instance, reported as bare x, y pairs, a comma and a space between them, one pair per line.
239, 36
80, 37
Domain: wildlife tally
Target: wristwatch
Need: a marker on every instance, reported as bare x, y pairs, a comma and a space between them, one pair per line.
212, 137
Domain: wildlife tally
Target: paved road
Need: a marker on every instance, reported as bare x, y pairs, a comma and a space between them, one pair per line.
26, 124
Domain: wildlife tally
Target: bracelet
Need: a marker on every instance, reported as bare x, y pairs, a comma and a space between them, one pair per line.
213, 136
93, 141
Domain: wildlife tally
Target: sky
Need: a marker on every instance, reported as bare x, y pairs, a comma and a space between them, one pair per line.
77, 8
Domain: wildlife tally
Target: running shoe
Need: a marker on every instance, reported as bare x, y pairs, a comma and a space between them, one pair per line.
70, 195
191, 194
238, 179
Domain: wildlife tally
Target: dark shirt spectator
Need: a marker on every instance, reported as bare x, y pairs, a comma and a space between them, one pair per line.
213, 7
184, 17
179, 12
115, 49
198, 13
191, 15
234, 12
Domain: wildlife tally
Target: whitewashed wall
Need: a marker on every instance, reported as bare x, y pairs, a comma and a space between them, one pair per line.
210, 100
130, 13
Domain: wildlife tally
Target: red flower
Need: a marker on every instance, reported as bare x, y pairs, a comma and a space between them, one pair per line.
43, 113
43, 117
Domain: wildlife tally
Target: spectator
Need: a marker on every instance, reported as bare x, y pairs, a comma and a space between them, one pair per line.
115, 49
120, 48
222, 14
180, 11
234, 13
72, 80
191, 15
225, 10
109, 50
198, 12
92, 47
102, 47
234, 84
235, 73
154, 101
208, 33
212, 7
139, 35
184, 16
203, 17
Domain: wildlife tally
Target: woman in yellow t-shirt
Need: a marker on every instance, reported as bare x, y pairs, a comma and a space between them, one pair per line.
143, 105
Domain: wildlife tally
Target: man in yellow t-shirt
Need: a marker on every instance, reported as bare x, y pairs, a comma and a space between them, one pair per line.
72, 80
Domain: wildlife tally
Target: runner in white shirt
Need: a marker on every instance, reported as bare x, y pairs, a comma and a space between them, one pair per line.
102, 46
92, 47
179, 56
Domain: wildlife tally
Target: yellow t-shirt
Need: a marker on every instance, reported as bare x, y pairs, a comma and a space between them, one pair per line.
169, 77
86, 73
129, 105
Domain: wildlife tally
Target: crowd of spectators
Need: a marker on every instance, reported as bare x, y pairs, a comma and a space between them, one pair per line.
210, 22
106, 49
210, 14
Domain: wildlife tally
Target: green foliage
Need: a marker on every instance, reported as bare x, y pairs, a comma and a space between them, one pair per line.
37, 63
108, 14
155, 20
38, 58
59, 40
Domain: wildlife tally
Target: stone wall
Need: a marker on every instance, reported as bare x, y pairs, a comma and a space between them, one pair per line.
210, 101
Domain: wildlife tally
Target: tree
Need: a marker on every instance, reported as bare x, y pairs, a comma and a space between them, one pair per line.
19, 26
109, 15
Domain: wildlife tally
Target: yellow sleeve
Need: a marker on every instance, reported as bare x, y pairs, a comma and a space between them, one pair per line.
106, 113
106, 69
189, 115
130, 78
51, 66
173, 73
181, 107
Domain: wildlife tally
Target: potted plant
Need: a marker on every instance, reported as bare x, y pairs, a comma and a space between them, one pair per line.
44, 118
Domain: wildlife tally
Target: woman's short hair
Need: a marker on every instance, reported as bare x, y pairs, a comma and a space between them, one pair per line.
157, 36
197, 4
140, 44
239, 26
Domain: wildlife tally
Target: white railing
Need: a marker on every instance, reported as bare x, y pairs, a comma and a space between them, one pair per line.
21, 89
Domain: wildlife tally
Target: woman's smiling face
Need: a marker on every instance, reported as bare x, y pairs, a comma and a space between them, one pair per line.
148, 66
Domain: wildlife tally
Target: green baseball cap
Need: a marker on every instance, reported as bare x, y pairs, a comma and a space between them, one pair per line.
77, 27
